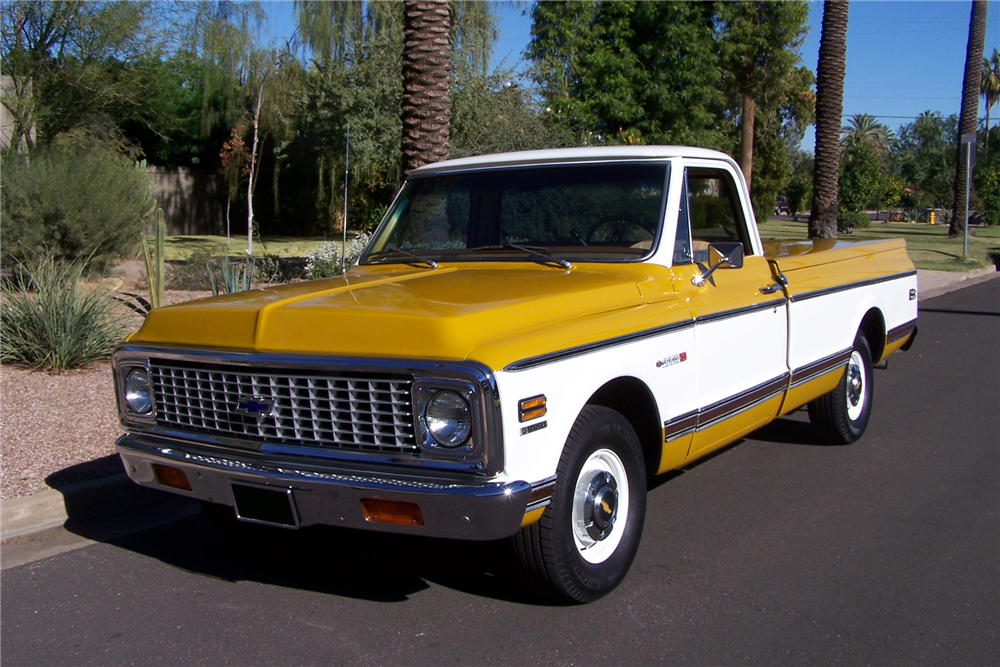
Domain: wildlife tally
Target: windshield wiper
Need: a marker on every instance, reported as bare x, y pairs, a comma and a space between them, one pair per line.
399, 251
531, 250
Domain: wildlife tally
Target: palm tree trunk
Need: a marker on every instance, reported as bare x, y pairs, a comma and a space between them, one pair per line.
970, 107
829, 106
746, 138
426, 108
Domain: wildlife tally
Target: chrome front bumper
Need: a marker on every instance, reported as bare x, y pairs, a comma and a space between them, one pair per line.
485, 511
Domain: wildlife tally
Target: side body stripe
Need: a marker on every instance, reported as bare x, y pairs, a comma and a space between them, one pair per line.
724, 409
902, 331
817, 368
848, 286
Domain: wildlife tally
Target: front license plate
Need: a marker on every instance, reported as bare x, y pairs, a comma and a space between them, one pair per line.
258, 504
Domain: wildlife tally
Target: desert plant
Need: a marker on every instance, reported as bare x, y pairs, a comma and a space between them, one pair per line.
233, 277
153, 261
73, 201
153, 264
913, 214
49, 318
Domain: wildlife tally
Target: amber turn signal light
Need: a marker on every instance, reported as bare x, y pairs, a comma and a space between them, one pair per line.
175, 478
531, 408
392, 511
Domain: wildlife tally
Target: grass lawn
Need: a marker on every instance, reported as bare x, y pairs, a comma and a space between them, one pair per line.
179, 248
928, 245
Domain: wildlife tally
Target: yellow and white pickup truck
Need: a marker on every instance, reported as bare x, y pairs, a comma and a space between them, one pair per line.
527, 338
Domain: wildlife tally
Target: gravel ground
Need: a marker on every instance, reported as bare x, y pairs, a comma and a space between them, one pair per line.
58, 429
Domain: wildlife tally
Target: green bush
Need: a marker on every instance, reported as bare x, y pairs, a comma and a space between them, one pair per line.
848, 221
987, 182
84, 200
50, 319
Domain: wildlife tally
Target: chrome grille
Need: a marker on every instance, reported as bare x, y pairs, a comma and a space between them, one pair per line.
291, 406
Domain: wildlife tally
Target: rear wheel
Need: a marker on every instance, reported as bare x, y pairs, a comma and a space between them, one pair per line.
844, 412
588, 536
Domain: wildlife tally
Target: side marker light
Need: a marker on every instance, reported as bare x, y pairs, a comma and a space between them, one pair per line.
531, 408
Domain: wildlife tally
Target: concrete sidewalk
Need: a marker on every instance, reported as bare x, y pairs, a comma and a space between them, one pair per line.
103, 497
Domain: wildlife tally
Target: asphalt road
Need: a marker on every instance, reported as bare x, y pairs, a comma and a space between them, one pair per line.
775, 551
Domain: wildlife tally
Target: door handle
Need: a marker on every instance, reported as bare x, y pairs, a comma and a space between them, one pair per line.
779, 281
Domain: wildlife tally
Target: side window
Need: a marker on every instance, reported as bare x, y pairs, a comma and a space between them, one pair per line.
682, 241
714, 211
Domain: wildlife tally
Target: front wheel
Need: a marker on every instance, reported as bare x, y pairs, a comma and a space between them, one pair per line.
843, 413
587, 538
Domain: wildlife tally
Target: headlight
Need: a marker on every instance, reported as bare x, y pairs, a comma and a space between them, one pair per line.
447, 418
138, 395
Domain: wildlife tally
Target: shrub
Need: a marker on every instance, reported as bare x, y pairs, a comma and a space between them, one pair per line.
987, 182
324, 262
73, 202
50, 319
860, 176
848, 221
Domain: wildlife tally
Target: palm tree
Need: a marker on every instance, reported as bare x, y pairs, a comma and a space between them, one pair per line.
970, 106
829, 105
989, 89
864, 127
426, 78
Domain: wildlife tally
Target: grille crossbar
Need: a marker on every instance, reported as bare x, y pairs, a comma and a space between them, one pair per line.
356, 411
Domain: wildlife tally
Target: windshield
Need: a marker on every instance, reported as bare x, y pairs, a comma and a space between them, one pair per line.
588, 212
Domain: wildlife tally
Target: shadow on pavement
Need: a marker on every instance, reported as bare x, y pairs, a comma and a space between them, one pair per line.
959, 312
378, 567
787, 431
107, 466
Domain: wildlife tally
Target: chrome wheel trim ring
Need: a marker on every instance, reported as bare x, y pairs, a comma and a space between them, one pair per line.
602, 476
856, 386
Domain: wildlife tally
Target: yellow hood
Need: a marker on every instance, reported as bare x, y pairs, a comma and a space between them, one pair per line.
399, 311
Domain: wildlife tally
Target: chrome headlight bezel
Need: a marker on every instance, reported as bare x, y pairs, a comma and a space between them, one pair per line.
425, 393
126, 408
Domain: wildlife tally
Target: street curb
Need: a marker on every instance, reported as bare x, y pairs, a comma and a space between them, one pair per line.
87, 500
955, 281
103, 497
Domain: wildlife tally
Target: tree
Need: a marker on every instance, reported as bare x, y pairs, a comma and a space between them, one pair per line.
426, 107
860, 177
249, 83
496, 114
340, 31
758, 42
970, 106
622, 72
923, 154
863, 127
989, 89
91, 65
829, 104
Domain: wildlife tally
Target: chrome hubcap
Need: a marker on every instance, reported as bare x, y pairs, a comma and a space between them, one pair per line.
600, 506
854, 384
856, 381
600, 512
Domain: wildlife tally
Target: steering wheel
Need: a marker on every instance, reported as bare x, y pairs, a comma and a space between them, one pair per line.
618, 231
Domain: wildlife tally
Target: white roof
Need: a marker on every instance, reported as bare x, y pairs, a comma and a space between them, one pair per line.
573, 155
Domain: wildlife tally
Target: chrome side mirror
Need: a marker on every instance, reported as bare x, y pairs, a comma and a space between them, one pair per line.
725, 254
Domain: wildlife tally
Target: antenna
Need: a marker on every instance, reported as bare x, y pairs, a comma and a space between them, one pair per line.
347, 164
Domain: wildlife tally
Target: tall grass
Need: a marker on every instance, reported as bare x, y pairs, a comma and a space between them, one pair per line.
51, 319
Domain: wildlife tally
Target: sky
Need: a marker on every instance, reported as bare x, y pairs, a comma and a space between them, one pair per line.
903, 58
